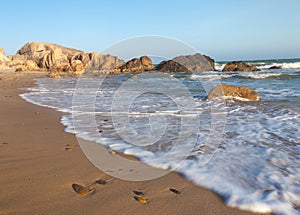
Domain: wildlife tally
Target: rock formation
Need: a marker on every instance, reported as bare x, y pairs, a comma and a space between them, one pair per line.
56, 58
136, 65
233, 92
171, 66
239, 66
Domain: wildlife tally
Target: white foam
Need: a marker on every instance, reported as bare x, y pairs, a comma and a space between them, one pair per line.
294, 65
212, 76
259, 75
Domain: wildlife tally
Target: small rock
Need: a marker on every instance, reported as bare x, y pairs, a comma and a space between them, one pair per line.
274, 67
239, 66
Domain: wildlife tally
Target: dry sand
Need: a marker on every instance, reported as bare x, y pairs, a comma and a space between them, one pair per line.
37, 171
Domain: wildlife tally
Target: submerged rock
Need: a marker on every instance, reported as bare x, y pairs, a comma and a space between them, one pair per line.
239, 66
233, 92
274, 67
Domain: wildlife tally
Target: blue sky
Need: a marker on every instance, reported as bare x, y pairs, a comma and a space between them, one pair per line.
223, 29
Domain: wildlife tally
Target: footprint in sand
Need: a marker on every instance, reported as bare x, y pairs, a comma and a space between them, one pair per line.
82, 190
3, 144
70, 147
138, 193
141, 199
139, 196
175, 191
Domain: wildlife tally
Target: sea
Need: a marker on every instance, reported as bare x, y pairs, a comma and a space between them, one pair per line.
246, 152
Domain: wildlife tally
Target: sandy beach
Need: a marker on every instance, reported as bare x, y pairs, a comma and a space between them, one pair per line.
37, 172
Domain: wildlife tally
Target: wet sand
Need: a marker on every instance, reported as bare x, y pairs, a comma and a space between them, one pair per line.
39, 162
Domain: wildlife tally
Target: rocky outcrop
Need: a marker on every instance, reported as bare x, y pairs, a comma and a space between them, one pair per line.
233, 92
171, 66
196, 62
3, 58
239, 66
137, 65
56, 58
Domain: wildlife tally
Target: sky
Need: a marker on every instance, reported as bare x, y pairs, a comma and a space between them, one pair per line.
222, 29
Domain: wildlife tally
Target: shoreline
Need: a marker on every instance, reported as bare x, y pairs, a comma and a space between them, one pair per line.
37, 172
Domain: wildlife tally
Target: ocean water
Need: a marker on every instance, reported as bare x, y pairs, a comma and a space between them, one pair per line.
247, 152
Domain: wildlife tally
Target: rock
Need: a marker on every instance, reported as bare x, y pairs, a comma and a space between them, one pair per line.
54, 75
239, 66
77, 65
196, 62
2, 51
3, 58
104, 63
275, 67
211, 61
84, 57
133, 66
147, 63
136, 65
171, 66
233, 92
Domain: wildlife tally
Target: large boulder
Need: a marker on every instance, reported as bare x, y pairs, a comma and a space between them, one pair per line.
147, 63
233, 92
132, 66
171, 66
239, 66
137, 65
196, 62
